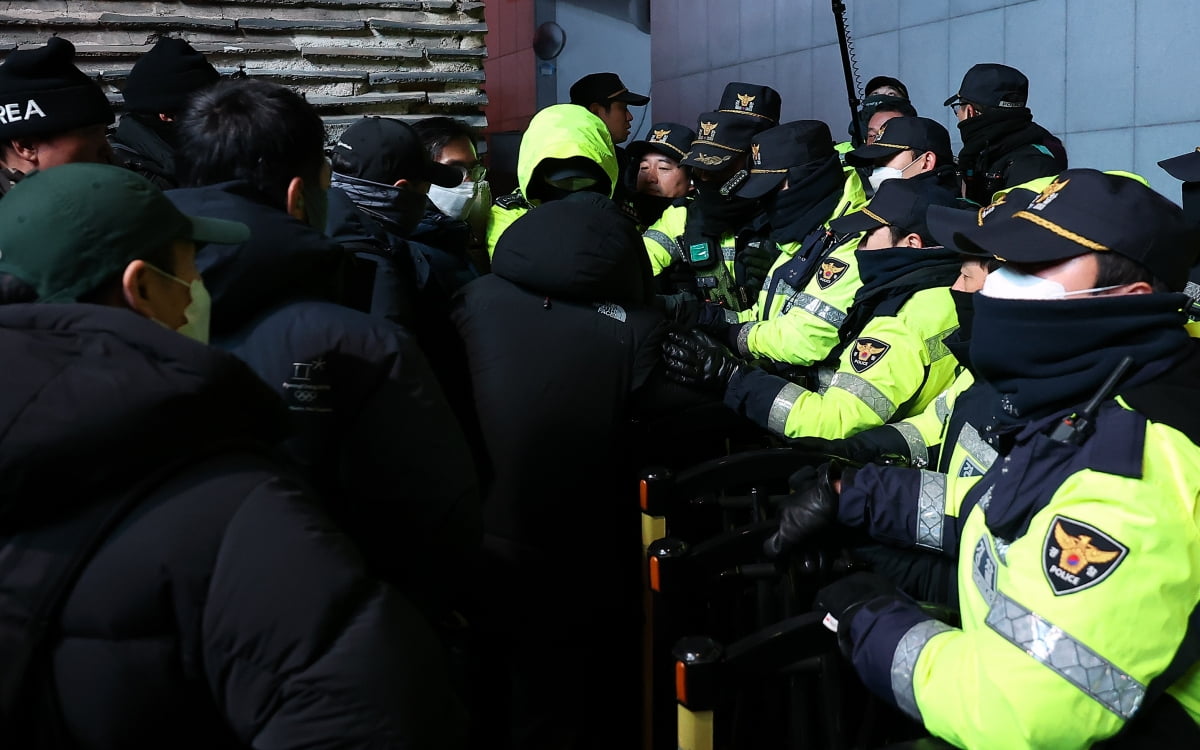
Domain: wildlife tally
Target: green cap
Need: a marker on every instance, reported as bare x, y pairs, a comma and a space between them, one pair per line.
68, 229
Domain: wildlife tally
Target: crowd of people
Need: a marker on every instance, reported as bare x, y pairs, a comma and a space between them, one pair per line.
317, 443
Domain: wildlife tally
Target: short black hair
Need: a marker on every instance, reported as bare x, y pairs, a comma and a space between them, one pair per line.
436, 132
250, 129
1115, 269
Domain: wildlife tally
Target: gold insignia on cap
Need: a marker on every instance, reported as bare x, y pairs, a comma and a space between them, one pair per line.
1048, 195
754, 155
708, 130
746, 102
710, 161
659, 136
983, 212
879, 133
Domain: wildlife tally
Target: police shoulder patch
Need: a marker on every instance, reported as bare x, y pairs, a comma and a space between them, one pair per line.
1077, 555
830, 271
867, 352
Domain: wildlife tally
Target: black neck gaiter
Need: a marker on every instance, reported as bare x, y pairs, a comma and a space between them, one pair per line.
1045, 356
723, 214
808, 201
990, 130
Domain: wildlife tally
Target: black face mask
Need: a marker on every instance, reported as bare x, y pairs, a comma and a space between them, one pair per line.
649, 208
723, 213
398, 210
809, 201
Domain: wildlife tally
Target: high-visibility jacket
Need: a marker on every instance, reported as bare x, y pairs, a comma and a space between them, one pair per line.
896, 366
721, 281
560, 131
1079, 586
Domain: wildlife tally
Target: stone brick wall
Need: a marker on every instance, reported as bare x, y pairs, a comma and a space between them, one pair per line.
404, 58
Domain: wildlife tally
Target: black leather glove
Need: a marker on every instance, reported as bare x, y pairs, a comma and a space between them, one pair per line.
877, 445
697, 359
757, 259
680, 308
841, 599
809, 510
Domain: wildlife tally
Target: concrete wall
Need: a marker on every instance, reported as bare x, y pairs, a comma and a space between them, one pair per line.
1111, 77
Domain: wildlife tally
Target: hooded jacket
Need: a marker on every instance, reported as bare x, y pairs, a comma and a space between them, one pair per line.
373, 430
226, 609
143, 149
560, 131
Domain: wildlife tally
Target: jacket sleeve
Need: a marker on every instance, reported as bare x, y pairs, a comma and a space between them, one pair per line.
1044, 665
880, 372
805, 329
924, 432
409, 469
303, 649
903, 507
660, 239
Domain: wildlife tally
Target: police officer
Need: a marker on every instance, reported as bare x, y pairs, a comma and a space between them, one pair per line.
712, 245
1186, 167
1002, 145
890, 362
1088, 512
808, 290
908, 148
654, 178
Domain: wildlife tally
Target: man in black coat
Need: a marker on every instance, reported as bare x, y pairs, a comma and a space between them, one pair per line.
374, 432
220, 606
562, 341
1002, 145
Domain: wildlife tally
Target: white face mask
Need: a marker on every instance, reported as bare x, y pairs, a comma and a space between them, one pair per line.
455, 202
198, 312
1005, 283
880, 175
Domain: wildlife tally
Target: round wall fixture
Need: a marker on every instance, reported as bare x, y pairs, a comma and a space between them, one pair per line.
548, 40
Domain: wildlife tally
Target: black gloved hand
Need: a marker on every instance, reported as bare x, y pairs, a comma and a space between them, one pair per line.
878, 445
841, 599
680, 308
697, 359
809, 510
758, 258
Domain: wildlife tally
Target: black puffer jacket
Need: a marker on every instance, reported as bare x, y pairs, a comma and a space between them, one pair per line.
374, 431
560, 336
226, 610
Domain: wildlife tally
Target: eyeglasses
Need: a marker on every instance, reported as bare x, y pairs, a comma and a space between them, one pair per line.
957, 106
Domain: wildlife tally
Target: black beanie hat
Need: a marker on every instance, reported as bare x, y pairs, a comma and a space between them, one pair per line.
42, 92
164, 78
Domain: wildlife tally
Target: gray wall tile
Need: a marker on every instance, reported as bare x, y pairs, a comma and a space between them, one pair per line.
868, 18
793, 81
915, 12
756, 24
878, 55
824, 29
1166, 43
1101, 94
793, 25
1036, 40
664, 21
1103, 149
692, 37
925, 74
964, 7
724, 19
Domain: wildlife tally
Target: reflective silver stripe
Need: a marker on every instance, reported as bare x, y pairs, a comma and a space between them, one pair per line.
936, 345
743, 337
781, 407
865, 392
729, 254
983, 570
976, 447
904, 663
940, 407
822, 310
931, 510
786, 291
918, 453
668, 244
1076, 663
731, 316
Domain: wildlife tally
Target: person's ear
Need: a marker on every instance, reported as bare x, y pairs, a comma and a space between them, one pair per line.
596, 108
401, 183
295, 199
1139, 287
929, 161
913, 240
25, 149
134, 288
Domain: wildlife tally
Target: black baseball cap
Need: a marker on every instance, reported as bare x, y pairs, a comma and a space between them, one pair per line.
1185, 167
903, 204
667, 138
895, 83
69, 229
775, 151
992, 85
898, 134
720, 137
604, 88
383, 150
752, 100
1082, 211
